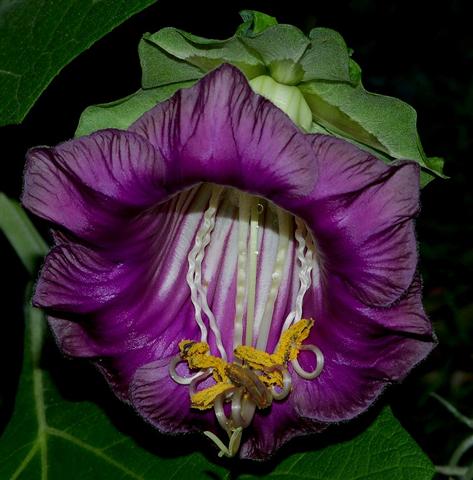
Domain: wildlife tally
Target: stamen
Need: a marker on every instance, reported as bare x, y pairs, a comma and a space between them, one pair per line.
256, 381
222, 418
244, 220
319, 356
198, 379
179, 378
305, 276
305, 257
255, 378
285, 231
243, 409
286, 388
252, 264
194, 275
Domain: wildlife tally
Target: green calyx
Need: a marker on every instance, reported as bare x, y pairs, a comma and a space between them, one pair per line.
288, 98
312, 78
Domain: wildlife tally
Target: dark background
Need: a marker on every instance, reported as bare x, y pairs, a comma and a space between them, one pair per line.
417, 51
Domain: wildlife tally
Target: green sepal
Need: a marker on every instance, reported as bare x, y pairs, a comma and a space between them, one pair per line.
327, 58
254, 22
319, 65
160, 68
280, 48
122, 113
172, 55
385, 124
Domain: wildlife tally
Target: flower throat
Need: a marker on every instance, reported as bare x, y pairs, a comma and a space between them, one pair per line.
236, 385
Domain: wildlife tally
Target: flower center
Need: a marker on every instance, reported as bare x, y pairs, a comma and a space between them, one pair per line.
253, 378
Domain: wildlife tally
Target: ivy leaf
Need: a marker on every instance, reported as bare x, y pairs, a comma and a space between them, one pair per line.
40, 37
122, 113
51, 438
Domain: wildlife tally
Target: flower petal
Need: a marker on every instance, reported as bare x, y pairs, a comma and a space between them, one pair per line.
93, 184
365, 349
164, 403
220, 131
74, 278
270, 430
362, 220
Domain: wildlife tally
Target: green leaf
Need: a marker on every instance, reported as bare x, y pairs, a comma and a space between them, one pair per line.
122, 113
51, 438
384, 451
172, 55
384, 123
40, 37
21, 233
254, 22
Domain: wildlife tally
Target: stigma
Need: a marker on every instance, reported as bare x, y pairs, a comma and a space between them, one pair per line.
237, 383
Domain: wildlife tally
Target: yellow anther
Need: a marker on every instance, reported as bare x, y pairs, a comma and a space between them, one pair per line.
196, 356
205, 399
189, 348
288, 349
291, 341
269, 366
262, 361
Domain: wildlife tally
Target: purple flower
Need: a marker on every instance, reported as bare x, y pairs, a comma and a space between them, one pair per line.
214, 223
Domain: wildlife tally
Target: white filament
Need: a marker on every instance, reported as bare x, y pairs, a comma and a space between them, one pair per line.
179, 378
286, 388
285, 232
319, 356
243, 409
251, 277
194, 274
242, 412
305, 255
223, 420
306, 270
198, 379
244, 220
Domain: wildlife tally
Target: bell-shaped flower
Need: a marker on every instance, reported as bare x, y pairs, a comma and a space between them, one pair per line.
228, 273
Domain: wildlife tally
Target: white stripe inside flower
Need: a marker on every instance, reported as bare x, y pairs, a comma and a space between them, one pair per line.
248, 377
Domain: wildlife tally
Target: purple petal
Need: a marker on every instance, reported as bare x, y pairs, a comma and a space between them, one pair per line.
365, 349
115, 285
271, 430
75, 278
362, 220
164, 403
94, 184
220, 131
